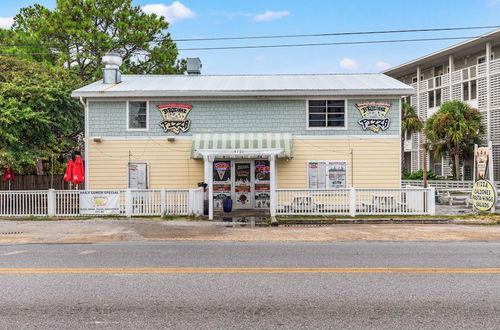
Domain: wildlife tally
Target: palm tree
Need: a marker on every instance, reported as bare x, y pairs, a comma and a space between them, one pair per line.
454, 128
410, 123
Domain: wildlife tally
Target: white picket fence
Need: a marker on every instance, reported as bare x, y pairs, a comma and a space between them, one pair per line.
356, 201
156, 202
442, 184
66, 203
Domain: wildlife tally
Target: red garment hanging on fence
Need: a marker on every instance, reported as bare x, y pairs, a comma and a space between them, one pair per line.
78, 171
68, 175
8, 175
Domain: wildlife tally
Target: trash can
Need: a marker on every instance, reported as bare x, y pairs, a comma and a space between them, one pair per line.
227, 205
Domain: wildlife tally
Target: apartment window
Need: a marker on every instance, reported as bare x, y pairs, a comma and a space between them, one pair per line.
465, 91
438, 169
431, 99
330, 174
137, 115
326, 114
482, 59
438, 97
473, 89
414, 79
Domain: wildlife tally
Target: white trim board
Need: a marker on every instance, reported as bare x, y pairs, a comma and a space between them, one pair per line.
295, 137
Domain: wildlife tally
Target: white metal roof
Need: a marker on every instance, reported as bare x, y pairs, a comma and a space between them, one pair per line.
247, 85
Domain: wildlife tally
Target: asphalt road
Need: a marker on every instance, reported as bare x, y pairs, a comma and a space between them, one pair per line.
198, 285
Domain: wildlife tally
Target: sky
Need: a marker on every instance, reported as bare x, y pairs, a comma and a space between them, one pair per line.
231, 18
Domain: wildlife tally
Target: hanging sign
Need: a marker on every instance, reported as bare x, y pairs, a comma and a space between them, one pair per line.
484, 195
482, 156
374, 116
174, 117
100, 202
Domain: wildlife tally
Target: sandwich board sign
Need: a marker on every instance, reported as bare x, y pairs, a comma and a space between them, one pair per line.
484, 195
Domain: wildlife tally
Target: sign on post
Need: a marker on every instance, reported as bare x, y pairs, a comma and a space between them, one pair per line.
100, 202
484, 195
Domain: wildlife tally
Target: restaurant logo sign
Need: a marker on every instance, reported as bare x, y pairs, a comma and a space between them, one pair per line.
374, 116
482, 155
174, 117
484, 195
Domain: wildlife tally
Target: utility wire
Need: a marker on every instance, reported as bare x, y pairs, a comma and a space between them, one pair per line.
144, 52
277, 36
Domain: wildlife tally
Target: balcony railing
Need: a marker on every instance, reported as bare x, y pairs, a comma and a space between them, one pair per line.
458, 76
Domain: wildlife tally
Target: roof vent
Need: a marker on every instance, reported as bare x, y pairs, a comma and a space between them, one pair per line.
193, 65
111, 71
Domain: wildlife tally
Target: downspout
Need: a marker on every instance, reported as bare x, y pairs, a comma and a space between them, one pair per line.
86, 141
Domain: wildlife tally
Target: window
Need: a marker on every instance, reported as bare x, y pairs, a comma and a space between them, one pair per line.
137, 116
438, 97
414, 79
465, 91
473, 89
438, 169
431, 99
331, 174
482, 59
326, 114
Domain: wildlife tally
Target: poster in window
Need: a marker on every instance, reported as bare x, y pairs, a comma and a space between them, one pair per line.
337, 174
242, 187
222, 182
242, 172
262, 170
222, 171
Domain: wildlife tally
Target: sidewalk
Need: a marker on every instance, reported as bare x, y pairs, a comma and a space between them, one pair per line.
104, 230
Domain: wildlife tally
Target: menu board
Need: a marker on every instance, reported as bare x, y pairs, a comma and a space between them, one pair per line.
221, 182
262, 184
327, 175
337, 174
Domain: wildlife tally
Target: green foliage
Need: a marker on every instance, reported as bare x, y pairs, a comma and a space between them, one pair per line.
419, 175
77, 33
38, 117
409, 119
454, 128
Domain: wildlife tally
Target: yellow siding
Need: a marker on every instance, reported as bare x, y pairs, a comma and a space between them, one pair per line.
375, 162
170, 165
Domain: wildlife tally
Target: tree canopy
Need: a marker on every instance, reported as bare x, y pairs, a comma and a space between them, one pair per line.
77, 33
454, 128
38, 116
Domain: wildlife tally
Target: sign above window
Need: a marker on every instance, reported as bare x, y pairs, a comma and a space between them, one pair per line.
374, 116
174, 117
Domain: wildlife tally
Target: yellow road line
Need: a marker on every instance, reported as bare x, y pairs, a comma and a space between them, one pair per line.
245, 270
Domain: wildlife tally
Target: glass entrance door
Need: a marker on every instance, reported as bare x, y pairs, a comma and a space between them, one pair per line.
243, 185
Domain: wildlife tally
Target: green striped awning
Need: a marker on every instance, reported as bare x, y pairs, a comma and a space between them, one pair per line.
258, 142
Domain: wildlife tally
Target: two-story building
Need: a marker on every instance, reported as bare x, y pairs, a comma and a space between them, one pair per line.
468, 71
242, 135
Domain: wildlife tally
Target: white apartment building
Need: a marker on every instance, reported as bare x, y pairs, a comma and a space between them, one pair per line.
468, 71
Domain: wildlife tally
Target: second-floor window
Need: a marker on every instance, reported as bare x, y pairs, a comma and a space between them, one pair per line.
326, 114
137, 115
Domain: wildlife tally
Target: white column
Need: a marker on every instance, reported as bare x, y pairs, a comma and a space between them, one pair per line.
451, 65
51, 203
209, 166
272, 177
419, 73
488, 92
